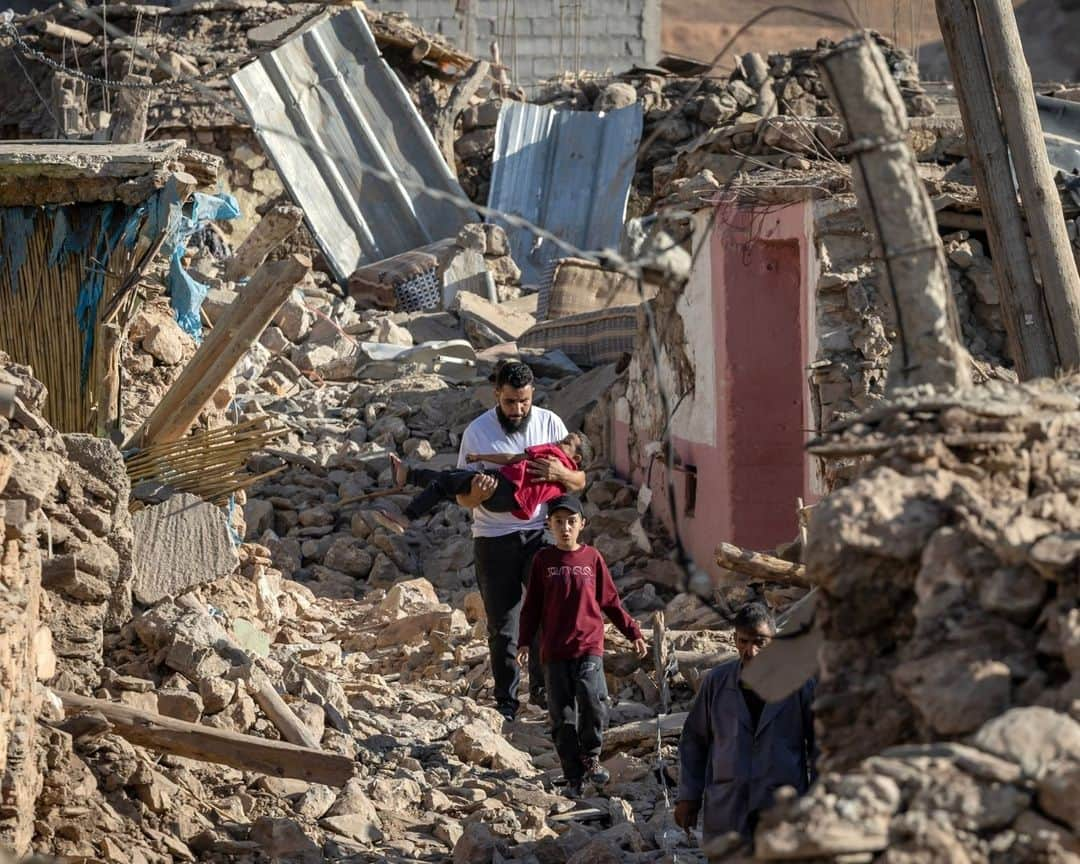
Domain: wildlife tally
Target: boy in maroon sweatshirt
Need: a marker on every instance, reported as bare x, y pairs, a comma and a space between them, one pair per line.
570, 590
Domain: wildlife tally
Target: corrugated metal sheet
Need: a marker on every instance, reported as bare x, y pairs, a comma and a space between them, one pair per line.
323, 103
567, 171
1060, 120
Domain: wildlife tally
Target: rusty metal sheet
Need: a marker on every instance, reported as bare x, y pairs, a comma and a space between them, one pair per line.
566, 171
323, 105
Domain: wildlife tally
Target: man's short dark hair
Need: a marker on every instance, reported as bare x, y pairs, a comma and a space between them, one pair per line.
513, 373
751, 616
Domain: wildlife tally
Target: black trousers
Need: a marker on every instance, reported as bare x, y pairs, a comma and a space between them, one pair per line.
445, 485
502, 569
577, 703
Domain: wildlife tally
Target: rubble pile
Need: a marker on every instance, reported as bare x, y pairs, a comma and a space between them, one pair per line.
948, 572
375, 640
774, 107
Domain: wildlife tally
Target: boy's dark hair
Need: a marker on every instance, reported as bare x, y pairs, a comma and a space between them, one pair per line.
513, 373
585, 451
752, 615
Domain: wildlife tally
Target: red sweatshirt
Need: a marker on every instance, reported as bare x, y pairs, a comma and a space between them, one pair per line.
567, 593
532, 493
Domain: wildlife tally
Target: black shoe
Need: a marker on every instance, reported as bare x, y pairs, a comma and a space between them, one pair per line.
539, 699
597, 773
573, 789
507, 712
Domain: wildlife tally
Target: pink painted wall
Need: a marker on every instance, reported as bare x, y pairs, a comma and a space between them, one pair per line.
760, 275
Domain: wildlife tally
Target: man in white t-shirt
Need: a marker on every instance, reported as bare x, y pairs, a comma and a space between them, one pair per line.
504, 545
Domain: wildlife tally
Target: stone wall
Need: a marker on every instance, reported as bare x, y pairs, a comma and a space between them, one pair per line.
614, 34
856, 326
25, 655
79, 485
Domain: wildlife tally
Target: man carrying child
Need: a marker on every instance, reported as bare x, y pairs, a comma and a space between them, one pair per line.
503, 543
569, 591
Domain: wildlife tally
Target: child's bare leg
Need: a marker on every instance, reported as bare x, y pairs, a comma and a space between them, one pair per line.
399, 471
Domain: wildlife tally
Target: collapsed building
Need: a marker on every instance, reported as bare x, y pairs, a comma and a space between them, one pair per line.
317, 682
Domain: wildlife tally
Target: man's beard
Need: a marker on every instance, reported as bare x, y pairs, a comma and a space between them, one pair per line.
511, 426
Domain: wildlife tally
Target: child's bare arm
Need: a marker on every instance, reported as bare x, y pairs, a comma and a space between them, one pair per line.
496, 458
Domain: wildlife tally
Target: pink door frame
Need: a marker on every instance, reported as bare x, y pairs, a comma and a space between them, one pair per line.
760, 273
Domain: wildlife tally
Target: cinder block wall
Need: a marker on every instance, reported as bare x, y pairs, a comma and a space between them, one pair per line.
614, 34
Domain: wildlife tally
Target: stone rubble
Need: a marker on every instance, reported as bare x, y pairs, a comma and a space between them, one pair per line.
949, 710
949, 698
376, 640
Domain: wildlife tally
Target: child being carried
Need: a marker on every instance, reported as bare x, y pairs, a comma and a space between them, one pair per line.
515, 491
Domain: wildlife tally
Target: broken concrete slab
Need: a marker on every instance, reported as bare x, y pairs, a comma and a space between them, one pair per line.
180, 543
455, 359
489, 323
573, 401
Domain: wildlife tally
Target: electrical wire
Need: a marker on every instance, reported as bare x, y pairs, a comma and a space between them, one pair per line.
609, 258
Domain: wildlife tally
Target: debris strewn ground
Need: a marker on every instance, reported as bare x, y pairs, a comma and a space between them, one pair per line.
262, 599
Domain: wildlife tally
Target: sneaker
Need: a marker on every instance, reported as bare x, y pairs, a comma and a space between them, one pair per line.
538, 698
573, 789
508, 713
597, 773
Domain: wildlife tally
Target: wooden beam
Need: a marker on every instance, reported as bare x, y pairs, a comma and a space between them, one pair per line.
895, 205
207, 744
60, 31
758, 565
108, 380
1042, 202
292, 728
270, 233
1031, 338
128, 125
221, 350
459, 100
644, 730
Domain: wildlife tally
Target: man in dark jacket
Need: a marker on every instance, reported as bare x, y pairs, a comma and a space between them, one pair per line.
736, 750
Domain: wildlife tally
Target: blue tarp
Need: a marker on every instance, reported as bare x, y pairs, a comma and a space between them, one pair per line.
186, 293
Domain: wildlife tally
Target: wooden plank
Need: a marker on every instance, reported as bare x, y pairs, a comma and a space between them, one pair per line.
292, 728
271, 232
894, 202
220, 351
644, 730
207, 744
459, 100
758, 565
1032, 344
128, 124
108, 379
1042, 202
60, 31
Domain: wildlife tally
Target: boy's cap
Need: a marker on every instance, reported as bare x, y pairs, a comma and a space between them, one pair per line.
566, 502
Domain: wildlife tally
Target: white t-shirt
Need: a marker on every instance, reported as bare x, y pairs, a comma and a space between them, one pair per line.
486, 435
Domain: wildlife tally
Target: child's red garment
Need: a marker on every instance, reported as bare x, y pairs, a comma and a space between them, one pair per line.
532, 493
567, 597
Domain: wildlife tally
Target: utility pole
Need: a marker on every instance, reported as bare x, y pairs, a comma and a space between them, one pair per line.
1027, 323
1042, 203
894, 203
